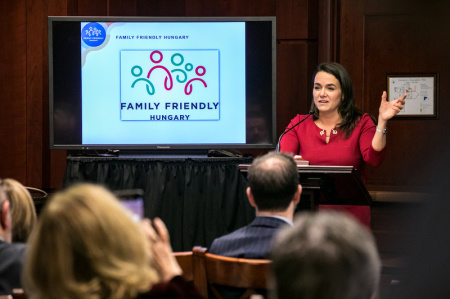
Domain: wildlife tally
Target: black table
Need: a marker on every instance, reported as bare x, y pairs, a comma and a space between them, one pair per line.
199, 199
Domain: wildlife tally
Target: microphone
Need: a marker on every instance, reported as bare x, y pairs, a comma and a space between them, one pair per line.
277, 148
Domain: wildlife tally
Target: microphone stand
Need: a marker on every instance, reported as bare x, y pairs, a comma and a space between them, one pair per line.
277, 148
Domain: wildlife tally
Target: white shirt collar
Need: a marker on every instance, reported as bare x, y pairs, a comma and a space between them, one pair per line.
281, 218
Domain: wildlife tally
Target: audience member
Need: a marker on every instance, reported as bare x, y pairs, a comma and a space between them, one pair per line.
23, 211
85, 245
325, 255
273, 191
11, 255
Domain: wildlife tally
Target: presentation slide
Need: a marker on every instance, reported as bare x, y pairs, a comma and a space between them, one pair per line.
163, 82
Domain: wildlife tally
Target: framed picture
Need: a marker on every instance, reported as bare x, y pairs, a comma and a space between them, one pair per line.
421, 91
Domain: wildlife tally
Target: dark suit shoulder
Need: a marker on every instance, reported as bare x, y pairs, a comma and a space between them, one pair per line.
251, 241
11, 264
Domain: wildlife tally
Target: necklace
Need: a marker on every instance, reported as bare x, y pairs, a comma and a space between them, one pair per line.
332, 130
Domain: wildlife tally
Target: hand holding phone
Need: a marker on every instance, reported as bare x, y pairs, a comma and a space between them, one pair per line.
163, 257
133, 201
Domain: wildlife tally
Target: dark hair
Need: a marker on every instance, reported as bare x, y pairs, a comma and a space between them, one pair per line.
347, 109
273, 180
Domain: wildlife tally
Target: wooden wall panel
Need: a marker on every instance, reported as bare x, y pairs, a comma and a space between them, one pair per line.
389, 36
350, 44
200, 8
161, 8
326, 30
122, 8
296, 58
93, 8
54, 161
230, 8
37, 94
13, 83
295, 64
297, 19
419, 49
245, 8
72, 7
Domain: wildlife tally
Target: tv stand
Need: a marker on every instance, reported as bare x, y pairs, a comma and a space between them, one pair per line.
166, 153
225, 153
191, 153
94, 153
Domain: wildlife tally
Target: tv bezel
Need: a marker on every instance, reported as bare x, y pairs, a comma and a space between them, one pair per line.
161, 147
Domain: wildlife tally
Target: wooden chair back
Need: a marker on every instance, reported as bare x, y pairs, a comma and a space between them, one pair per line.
212, 270
18, 294
184, 259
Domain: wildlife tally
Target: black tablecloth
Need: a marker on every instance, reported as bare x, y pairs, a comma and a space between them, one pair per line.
199, 199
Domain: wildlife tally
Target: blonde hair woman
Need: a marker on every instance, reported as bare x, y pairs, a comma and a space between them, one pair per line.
86, 246
23, 211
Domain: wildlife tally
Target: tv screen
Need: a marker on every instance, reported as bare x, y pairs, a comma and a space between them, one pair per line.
162, 83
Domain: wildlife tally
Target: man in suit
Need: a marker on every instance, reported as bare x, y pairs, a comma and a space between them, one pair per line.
11, 255
273, 191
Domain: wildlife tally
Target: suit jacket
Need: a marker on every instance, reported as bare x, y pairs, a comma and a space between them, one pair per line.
11, 262
252, 241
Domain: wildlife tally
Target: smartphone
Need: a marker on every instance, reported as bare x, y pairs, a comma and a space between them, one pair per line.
133, 201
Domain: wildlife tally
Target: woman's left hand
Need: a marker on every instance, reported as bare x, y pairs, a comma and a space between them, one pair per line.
390, 109
163, 258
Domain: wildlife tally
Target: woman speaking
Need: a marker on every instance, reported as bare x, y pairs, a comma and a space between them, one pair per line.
338, 133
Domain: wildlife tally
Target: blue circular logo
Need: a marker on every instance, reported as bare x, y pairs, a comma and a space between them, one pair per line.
93, 34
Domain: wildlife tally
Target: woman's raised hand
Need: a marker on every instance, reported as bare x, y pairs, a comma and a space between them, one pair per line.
392, 108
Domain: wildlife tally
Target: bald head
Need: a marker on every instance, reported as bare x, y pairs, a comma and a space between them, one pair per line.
273, 181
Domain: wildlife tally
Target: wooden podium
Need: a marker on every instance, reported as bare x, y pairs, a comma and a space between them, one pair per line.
328, 185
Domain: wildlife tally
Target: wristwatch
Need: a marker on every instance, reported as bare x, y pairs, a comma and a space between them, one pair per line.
382, 131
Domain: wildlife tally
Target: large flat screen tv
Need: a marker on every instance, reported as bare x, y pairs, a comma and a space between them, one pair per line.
161, 84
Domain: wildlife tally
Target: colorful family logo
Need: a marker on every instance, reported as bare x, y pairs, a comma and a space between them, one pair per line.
179, 83
180, 72
93, 34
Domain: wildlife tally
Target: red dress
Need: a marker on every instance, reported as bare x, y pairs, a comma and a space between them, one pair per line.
308, 141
